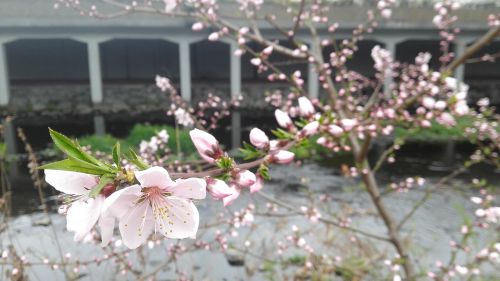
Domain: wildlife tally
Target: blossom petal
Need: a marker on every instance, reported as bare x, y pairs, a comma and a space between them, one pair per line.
121, 201
154, 176
70, 182
107, 225
82, 216
192, 188
228, 200
137, 225
184, 218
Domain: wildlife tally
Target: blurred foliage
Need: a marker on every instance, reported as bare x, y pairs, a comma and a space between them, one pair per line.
140, 132
102, 143
437, 132
308, 149
3, 149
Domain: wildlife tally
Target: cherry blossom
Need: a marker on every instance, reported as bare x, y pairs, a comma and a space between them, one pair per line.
258, 185
157, 205
83, 212
183, 117
235, 193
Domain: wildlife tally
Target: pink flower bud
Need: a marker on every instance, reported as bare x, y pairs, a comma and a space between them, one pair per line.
425, 123
268, 50
335, 130
440, 105
321, 141
306, 107
207, 146
218, 189
197, 26
428, 102
258, 138
256, 61
310, 129
274, 145
283, 157
386, 13
258, 185
283, 118
214, 36
461, 107
228, 200
246, 178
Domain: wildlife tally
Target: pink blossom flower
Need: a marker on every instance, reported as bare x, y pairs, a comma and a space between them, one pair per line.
258, 138
283, 118
383, 59
207, 146
158, 204
283, 157
458, 87
258, 185
170, 5
163, 83
348, 124
461, 107
446, 119
428, 102
440, 105
84, 212
310, 129
183, 117
246, 178
306, 107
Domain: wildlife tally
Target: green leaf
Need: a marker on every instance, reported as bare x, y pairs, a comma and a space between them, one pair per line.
116, 154
224, 176
103, 181
249, 152
74, 166
225, 163
71, 148
134, 158
264, 172
282, 134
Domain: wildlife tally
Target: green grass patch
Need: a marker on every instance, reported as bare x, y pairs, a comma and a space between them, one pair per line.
100, 143
139, 133
436, 132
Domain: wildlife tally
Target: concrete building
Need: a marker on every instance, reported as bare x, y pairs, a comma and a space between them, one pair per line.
56, 61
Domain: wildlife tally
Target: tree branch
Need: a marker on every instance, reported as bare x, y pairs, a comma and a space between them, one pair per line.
474, 48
